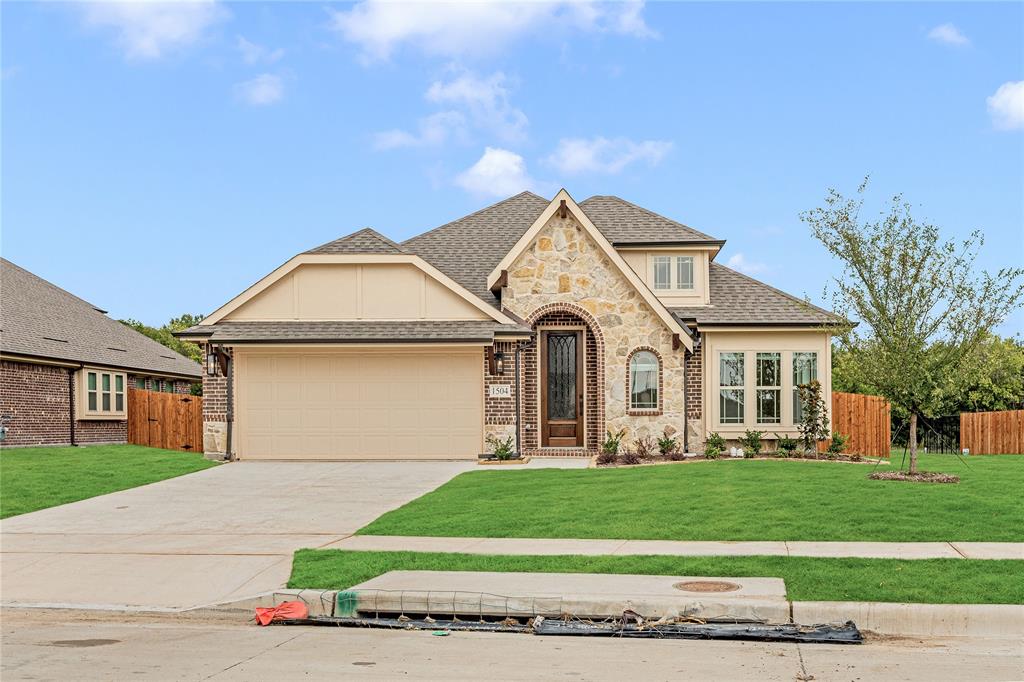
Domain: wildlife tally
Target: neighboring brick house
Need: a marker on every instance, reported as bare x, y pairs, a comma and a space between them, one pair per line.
545, 321
65, 367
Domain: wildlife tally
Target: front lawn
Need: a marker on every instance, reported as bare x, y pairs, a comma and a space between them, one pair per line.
37, 478
726, 500
933, 581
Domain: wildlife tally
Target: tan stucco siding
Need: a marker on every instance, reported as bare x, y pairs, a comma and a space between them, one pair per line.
564, 265
642, 263
357, 291
751, 342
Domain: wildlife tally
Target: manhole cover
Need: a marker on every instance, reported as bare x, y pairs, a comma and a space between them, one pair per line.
706, 586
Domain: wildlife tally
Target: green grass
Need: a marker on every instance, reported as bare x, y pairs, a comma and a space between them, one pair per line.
726, 500
934, 581
37, 478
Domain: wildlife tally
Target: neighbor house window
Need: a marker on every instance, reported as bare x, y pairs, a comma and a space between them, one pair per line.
104, 394
684, 272
769, 388
140, 383
643, 381
730, 391
805, 369
168, 387
662, 272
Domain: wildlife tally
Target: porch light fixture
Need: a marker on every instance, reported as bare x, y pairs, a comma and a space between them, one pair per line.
499, 364
211, 362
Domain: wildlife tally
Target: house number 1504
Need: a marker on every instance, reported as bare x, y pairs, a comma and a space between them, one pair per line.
500, 391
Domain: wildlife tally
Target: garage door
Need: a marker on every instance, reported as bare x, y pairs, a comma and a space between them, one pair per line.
416, 404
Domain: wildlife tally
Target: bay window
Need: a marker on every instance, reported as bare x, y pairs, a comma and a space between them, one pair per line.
731, 388
769, 388
102, 394
805, 369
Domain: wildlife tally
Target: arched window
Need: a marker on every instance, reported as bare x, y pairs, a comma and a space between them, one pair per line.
644, 370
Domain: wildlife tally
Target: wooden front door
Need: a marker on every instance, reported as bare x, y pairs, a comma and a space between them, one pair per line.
561, 389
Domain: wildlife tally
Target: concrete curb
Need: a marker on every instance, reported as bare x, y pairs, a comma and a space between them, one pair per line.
884, 618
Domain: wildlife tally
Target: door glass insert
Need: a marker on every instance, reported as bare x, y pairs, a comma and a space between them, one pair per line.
561, 376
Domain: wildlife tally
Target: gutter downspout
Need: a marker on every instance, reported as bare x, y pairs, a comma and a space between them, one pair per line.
231, 404
71, 403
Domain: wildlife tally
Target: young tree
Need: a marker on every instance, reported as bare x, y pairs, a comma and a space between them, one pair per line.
910, 290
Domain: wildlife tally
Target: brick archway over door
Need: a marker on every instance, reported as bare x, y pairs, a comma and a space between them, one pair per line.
565, 315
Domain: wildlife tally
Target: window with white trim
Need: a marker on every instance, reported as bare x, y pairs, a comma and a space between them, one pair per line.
103, 394
730, 388
769, 388
663, 272
805, 369
643, 380
684, 272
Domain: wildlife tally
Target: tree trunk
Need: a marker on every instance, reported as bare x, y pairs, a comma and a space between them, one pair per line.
913, 443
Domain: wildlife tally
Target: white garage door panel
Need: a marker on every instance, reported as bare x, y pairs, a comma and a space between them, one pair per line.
421, 404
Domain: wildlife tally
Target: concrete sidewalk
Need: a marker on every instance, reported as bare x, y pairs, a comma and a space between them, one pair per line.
867, 550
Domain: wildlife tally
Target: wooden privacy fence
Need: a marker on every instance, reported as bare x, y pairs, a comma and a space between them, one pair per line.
992, 433
165, 420
866, 419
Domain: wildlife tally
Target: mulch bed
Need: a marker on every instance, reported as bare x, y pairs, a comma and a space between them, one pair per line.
919, 477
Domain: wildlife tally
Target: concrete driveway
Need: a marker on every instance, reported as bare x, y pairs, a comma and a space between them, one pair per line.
218, 534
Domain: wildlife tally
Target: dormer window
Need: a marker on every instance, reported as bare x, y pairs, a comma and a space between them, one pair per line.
667, 277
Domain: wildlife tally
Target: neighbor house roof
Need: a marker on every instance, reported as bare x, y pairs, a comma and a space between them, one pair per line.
366, 240
354, 331
740, 300
40, 320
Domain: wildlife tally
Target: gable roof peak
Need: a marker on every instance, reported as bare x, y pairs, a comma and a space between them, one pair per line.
366, 240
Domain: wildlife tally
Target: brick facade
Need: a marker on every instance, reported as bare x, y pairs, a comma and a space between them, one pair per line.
695, 396
37, 402
215, 413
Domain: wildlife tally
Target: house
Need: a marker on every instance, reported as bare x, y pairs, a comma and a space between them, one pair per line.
65, 367
548, 322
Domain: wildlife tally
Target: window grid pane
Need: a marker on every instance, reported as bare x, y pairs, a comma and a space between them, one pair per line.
662, 272
731, 369
92, 401
684, 272
731, 405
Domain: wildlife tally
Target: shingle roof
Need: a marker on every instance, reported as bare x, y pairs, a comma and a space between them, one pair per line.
366, 240
39, 319
468, 249
352, 331
624, 223
737, 299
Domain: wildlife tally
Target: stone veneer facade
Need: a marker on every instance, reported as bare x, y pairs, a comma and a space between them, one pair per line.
564, 271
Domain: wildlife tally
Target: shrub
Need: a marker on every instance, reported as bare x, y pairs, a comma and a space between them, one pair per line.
630, 457
612, 442
607, 457
502, 449
814, 420
644, 447
751, 442
838, 444
714, 446
787, 446
668, 445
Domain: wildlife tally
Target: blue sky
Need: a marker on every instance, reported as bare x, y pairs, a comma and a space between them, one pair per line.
158, 159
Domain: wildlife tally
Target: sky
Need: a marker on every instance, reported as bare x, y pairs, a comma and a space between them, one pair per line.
158, 159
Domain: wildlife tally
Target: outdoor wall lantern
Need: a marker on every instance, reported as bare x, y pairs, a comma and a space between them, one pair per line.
499, 364
211, 362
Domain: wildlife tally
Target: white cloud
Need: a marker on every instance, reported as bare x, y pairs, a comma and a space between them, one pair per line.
262, 90
380, 27
148, 30
434, 130
1006, 106
253, 53
499, 172
574, 156
740, 262
948, 34
478, 103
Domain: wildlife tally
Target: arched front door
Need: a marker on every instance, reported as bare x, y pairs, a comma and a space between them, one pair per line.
561, 388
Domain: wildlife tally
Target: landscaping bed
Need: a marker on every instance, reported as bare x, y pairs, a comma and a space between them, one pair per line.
725, 500
37, 478
932, 581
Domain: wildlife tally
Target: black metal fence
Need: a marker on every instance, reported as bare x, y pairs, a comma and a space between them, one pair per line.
937, 434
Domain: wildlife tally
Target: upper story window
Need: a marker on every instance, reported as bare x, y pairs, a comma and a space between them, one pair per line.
668, 277
644, 369
103, 395
805, 369
731, 391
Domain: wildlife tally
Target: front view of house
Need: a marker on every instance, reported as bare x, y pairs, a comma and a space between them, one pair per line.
549, 322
